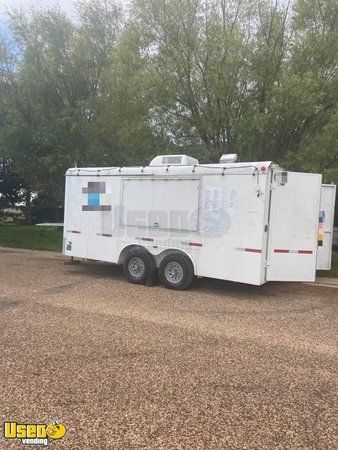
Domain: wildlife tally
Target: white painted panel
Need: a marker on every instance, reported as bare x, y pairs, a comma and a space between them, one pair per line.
293, 228
75, 223
161, 203
232, 219
91, 232
325, 232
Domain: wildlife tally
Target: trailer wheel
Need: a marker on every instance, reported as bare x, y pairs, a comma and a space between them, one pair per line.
176, 272
138, 266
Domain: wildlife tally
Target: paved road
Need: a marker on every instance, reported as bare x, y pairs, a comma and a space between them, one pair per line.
223, 366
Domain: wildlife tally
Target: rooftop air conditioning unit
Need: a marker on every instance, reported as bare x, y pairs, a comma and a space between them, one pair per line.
173, 160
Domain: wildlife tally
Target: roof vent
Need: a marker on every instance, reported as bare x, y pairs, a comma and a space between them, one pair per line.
228, 158
173, 160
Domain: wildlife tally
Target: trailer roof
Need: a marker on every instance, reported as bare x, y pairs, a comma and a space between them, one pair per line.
244, 167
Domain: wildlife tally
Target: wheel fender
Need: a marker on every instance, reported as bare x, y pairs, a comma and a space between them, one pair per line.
171, 251
128, 248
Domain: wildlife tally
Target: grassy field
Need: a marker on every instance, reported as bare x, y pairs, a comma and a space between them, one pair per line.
24, 236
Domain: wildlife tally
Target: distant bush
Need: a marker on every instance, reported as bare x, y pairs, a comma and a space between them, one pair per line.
47, 214
11, 216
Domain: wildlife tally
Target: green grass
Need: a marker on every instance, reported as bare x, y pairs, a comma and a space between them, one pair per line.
29, 236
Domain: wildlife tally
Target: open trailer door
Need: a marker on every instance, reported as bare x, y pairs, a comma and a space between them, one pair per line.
293, 227
325, 231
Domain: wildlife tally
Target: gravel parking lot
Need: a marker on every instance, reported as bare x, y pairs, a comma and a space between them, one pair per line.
222, 366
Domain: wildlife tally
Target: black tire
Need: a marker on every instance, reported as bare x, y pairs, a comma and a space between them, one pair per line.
176, 272
142, 260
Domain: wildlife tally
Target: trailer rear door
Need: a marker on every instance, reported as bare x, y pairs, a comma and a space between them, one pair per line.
325, 231
293, 227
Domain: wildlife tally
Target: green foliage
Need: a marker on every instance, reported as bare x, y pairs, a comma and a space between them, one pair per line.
201, 77
257, 79
12, 188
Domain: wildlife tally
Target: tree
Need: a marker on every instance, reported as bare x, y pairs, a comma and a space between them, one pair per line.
12, 188
314, 71
68, 97
214, 67
203, 77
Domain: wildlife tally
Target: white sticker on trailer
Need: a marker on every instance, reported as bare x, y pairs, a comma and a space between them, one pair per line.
218, 210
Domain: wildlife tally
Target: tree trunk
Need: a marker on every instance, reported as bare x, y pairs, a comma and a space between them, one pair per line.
28, 207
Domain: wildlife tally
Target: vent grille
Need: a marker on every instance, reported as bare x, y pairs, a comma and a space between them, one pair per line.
171, 159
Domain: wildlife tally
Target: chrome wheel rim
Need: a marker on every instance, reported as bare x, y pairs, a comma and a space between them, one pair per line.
136, 267
174, 272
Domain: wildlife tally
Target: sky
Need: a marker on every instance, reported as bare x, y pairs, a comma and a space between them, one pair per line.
66, 5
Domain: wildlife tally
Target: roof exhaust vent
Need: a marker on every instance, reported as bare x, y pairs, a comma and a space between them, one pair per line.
228, 158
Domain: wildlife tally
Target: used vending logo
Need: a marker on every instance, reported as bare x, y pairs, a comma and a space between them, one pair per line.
34, 433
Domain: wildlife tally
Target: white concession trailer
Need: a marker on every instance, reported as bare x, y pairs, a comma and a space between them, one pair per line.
246, 222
